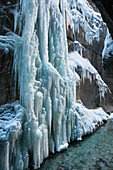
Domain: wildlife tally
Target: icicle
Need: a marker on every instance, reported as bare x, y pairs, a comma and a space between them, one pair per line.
38, 104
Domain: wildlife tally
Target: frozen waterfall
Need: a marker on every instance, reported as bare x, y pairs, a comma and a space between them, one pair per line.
46, 81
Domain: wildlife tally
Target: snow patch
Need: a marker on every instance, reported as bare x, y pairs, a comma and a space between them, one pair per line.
88, 119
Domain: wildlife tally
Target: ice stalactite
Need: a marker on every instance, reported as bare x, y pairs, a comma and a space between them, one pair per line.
45, 89
12, 117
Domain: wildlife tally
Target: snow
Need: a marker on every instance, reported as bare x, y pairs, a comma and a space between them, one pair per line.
63, 147
85, 70
111, 116
47, 83
88, 119
75, 60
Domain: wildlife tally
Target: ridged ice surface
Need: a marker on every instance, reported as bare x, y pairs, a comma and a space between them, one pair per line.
46, 83
108, 47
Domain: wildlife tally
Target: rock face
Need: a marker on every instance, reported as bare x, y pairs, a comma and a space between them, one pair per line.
6, 58
88, 93
106, 9
91, 49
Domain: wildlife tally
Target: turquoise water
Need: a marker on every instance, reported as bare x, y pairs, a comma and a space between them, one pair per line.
94, 152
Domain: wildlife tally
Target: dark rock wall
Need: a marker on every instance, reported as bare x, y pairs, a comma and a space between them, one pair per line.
88, 93
106, 10
109, 96
6, 60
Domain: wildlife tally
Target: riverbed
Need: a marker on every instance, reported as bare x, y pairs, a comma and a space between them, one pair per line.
93, 152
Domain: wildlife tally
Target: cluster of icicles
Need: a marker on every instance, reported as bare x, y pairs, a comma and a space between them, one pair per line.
41, 67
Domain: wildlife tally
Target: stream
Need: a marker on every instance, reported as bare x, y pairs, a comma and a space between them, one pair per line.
93, 152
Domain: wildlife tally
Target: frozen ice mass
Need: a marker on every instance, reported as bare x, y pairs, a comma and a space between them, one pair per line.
48, 117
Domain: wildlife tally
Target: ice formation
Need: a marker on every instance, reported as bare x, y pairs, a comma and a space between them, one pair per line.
12, 118
108, 47
84, 17
46, 81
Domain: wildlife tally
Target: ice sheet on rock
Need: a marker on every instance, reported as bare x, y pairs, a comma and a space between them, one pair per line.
11, 117
108, 47
72, 72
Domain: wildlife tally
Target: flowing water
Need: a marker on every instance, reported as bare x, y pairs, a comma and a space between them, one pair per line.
94, 152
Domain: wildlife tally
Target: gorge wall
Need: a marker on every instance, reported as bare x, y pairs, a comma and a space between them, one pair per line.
106, 9
6, 58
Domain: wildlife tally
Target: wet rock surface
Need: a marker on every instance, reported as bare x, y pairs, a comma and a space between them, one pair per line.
94, 152
88, 93
6, 60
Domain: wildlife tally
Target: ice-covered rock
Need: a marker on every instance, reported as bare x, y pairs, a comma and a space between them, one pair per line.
108, 55
85, 70
108, 47
89, 32
87, 18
